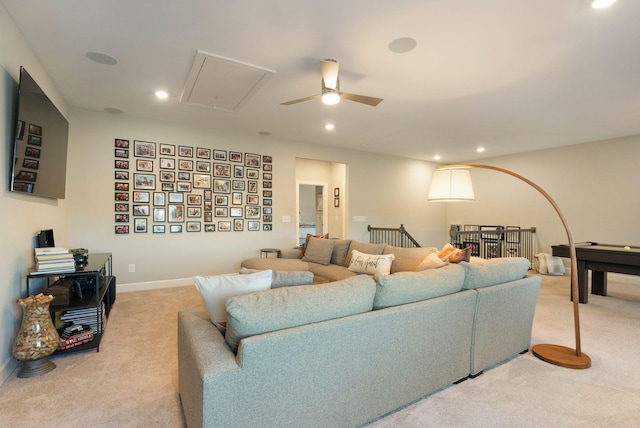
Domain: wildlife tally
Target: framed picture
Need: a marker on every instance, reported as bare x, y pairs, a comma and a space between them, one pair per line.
220, 155
175, 228
194, 199
238, 171
193, 226
167, 163
267, 176
194, 212
267, 184
236, 198
267, 227
252, 186
238, 225
238, 184
121, 153
140, 225
159, 214
122, 229
208, 195
144, 149
235, 157
222, 212
222, 170
209, 227
168, 187
185, 151
35, 129
267, 210
32, 152
336, 202
141, 197
267, 167
208, 206
253, 225
267, 218
253, 173
253, 199
224, 226
169, 176
184, 186
158, 228
141, 210
222, 200
121, 175
121, 196
158, 198
252, 160
34, 140
336, 192
208, 217
268, 201
167, 150
185, 165
235, 212
267, 159
203, 166
182, 175
122, 218
176, 197
144, 165
201, 181
222, 186
144, 181
120, 207
251, 212
121, 187
203, 153
123, 144
121, 164
267, 193
27, 176
175, 213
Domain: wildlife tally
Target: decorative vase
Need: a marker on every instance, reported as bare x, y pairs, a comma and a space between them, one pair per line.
37, 337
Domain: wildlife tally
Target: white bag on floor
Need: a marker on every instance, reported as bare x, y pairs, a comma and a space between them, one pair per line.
547, 264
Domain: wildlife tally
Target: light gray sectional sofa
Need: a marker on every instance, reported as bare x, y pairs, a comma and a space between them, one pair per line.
344, 353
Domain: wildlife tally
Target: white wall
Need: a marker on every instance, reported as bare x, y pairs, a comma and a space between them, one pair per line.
389, 191
594, 184
21, 216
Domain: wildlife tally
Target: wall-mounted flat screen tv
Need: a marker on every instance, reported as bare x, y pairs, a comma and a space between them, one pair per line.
40, 143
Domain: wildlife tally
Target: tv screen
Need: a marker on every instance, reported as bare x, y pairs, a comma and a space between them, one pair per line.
40, 143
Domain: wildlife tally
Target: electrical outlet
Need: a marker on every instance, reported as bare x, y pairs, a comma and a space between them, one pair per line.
132, 268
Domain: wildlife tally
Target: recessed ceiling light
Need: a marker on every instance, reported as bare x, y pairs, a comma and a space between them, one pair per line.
113, 110
402, 45
329, 126
162, 94
102, 58
480, 149
436, 157
264, 133
601, 4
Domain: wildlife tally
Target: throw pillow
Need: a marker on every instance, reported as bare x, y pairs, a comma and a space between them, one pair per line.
340, 251
319, 251
303, 247
285, 278
432, 261
363, 247
271, 310
370, 264
445, 252
460, 255
215, 290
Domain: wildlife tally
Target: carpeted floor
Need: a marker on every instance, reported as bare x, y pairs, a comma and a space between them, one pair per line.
132, 381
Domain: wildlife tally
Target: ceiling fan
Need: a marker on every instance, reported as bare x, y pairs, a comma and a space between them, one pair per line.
331, 88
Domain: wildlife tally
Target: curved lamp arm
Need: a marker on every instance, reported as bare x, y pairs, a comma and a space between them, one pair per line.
554, 354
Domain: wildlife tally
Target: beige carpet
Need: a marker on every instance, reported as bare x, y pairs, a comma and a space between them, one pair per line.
132, 381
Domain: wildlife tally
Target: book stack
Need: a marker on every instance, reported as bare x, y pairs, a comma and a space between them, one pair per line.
54, 260
75, 335
86, 317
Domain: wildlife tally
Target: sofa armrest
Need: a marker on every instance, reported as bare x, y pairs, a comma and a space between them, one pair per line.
291, 253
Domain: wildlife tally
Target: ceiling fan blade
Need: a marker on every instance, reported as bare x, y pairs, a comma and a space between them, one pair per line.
372, 101
329, 68
288, 103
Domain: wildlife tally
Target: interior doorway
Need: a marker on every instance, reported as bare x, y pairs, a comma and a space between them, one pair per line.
321, 198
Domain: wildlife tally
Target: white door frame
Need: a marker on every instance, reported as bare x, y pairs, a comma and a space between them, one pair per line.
325, 207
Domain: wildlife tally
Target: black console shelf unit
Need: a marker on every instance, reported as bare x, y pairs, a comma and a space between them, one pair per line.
98, 288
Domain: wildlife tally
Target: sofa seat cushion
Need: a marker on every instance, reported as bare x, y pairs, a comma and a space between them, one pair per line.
494, 271
330, 273
408, 287
280, 308
275, 264
407, 259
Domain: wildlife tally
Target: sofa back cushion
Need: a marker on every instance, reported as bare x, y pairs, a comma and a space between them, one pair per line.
408, 287
363, 247
285, 278
319, 251
494, 271
407, 259
280, 308
340, 251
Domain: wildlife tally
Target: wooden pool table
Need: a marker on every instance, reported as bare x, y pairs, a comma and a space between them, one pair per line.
600, 259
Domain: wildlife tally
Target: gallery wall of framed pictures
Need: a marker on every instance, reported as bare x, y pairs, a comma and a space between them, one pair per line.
167, 188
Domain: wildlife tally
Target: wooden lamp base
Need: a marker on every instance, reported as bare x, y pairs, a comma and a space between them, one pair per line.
561, 356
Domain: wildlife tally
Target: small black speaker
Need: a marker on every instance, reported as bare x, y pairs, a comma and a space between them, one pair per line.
45, 238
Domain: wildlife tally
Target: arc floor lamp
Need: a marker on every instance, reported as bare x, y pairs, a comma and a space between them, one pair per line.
453, 183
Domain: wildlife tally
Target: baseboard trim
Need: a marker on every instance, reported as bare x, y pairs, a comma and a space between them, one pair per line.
153, 285
7, 368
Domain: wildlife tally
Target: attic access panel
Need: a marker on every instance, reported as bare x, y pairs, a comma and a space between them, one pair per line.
222, 83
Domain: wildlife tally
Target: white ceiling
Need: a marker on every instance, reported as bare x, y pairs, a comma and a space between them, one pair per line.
509, 75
